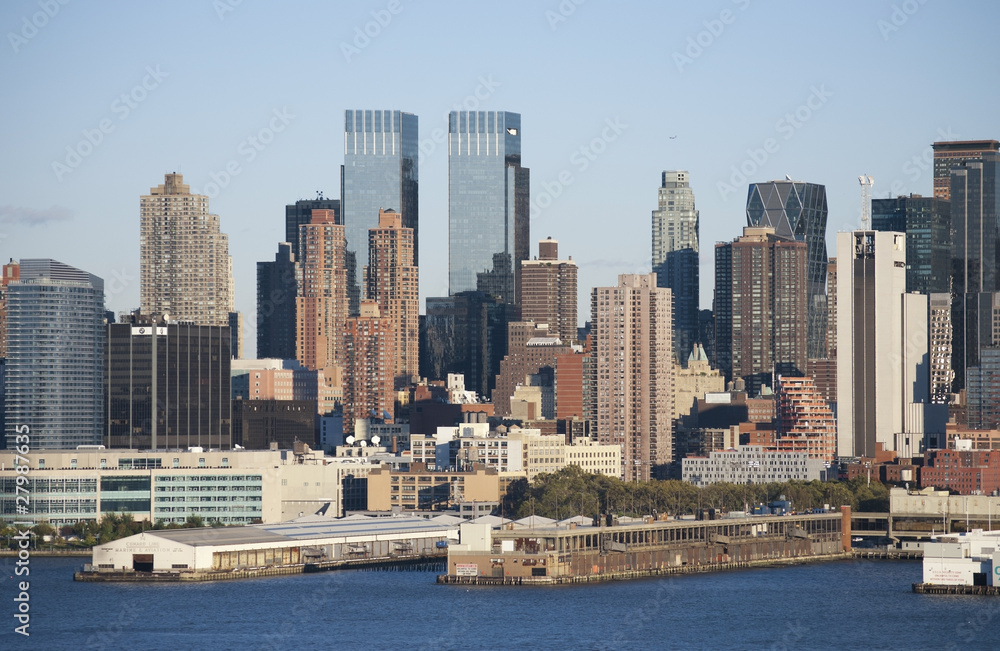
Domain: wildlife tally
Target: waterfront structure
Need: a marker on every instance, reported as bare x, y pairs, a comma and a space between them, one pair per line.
465, 334
805, 422
963, 559
694, 381
230, 486
300, 213
751, 464
55, 350
761, 306
951, 154
287, 379
633, 374
391, 280
259, 424
167, 385
488, 229
321, 308
548, 291
675, 255
926, 221
882, 350
380, 171
185, 270
236, 335
798, 210
975, 211
544, 551
277, 290
370, 354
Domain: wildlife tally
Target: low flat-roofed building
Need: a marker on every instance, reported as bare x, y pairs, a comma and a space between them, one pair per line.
419, 489
751, 464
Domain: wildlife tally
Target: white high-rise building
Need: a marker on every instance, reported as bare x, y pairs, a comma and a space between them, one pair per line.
186, 272
883, 362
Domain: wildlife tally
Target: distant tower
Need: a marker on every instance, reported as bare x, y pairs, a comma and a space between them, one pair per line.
55, 355
675, 256
548, 291
277, 292
236, 334
300, 212
798, 210
185, 270
633, 372
321, 308
488, 227
951, 154
391, 280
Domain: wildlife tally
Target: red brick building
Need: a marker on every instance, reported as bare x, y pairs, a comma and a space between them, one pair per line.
965, 471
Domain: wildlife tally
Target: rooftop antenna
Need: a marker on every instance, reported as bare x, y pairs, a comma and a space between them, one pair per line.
319, 195
866, 200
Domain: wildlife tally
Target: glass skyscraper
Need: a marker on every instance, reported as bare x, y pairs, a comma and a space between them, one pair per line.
379, 172
675, 256
487, 204
927, 224
798, 210
55, 379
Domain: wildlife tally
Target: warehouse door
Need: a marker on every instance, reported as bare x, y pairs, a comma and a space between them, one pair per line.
142, 562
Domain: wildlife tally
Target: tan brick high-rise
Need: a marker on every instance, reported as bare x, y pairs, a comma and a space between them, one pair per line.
633, 372
548, 291
370, 348
391, 280
185, 271
321, 309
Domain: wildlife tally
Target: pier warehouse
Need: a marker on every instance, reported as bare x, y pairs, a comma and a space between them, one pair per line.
310, 539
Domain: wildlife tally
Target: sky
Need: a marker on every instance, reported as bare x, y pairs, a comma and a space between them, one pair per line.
246, 99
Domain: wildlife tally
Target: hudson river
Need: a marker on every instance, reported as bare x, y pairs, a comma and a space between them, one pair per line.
835, 605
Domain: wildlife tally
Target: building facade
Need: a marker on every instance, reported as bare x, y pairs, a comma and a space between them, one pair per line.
751, 464
277, 291
798, 210
55, 350
370, 352
805, 422
675, 256
488, 229
548, 291
380, 171
185, 271
950, 154
299, 213
392, 283
167, 385
927, 224
321, 309
761, 307
632, 373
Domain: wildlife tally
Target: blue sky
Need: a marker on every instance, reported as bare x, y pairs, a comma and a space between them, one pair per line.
752, 91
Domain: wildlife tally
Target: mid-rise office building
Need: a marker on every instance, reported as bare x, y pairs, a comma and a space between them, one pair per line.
55, 350
259, 424
798, 210
391, 279
185, 270
950, 154
927, 224
167, 385
277, 290
675, 256
322, 307
882, 350
761, 307
548, 291
751, 464
488, 229
380, 171
633, 374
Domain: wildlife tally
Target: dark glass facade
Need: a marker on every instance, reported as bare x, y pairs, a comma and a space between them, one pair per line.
488, 232
300, 212
927, 224
258, 423
167, 390
379, 172
277, 288
798, 210
55, 350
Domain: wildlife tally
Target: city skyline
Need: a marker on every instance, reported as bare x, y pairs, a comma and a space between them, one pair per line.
255, 143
